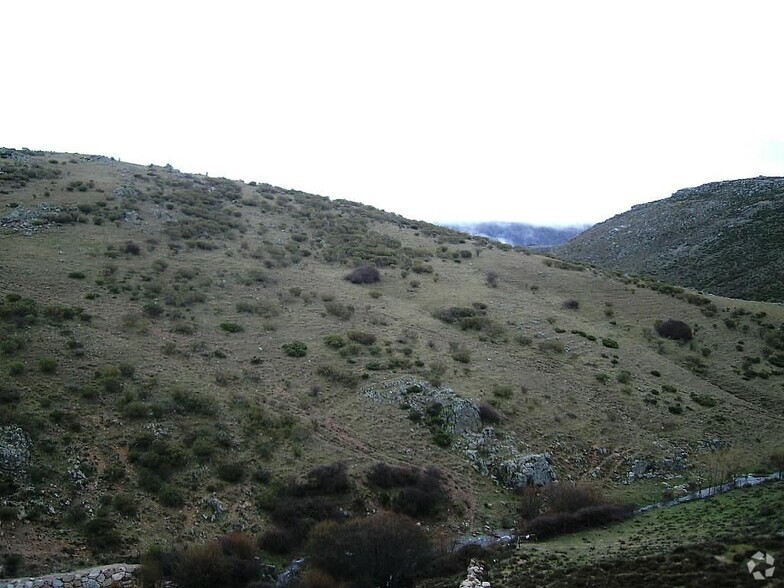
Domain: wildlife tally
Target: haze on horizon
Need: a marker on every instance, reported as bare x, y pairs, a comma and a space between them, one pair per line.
550, 114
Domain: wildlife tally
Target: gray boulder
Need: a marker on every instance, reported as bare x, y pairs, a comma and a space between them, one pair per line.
15, 448
526, 470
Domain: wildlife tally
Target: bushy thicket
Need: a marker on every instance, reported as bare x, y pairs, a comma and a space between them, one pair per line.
566, 508
322, 494
382, 550
227, 561
570, 522
415, 492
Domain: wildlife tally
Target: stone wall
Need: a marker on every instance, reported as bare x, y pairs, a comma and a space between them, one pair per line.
111, 576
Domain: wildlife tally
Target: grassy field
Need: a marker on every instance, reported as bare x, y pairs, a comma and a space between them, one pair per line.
706, 542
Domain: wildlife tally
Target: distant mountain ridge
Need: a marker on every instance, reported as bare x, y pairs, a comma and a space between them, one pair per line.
725, 238
520, 234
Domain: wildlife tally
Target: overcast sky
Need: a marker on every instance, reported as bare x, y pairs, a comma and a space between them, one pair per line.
542, 112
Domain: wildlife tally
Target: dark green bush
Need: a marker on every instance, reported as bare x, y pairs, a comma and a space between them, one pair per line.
101, 534
170, 495
338, 375
361, 338
232, 472
232, 327
612, 344
334, 341
47, 365
339, 310
295, 349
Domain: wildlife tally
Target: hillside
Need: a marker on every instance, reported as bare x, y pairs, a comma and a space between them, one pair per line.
724, 238
178, 352
520, 234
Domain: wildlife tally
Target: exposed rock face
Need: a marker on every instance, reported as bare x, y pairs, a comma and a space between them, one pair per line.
500, 459
458, 415
15, 448
526, 470
725, 238
491, 454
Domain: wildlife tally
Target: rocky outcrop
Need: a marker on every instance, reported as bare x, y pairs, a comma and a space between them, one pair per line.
503, 461
457, 415
499, 457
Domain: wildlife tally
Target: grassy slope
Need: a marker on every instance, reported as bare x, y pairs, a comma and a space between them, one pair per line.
193, 380
707, 542
723, 237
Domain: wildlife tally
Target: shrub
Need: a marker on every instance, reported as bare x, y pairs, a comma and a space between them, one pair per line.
16, 368
77, 275
131, 248
100, 534
386, 476
125, 504
610, 343
47, 365
491, 279
339, 310
361, 338
9, 393
366, 274
705, 400
171, 496
295, 349
488, 413
567, 522
8, 513
673, 329
442, 437
502, 391
321, 480
553, 345
226, 561
381, 550
278, 540
12, 564
334, 341
531, 502
152, 309
338, 375
231, 472
232, 327
571, 304
190, 401
571, 497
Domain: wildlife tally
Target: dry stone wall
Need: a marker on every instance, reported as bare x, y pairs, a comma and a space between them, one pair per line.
113, 576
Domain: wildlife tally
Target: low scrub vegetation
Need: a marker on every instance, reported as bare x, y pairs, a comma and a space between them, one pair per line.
566, 508
408, 490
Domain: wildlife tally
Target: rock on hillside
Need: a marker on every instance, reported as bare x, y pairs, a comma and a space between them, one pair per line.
725, 238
